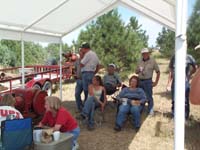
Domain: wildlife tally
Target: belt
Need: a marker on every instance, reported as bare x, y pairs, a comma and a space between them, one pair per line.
87, 72
145, 79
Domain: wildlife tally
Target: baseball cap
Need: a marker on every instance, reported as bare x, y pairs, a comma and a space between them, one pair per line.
85, 45
145, 50
112, 65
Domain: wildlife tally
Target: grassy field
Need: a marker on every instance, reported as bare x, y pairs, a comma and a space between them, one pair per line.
156, 132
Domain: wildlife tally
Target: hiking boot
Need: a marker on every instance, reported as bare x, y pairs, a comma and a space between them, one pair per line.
137, 129
81, 117
90, 128
117, 128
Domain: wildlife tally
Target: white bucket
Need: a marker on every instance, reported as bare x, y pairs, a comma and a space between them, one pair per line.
37, 135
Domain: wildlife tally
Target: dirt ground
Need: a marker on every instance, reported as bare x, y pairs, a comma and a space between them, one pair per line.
156, 131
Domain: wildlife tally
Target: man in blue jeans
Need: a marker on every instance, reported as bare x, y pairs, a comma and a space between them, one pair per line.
79, 83
89, 66
190, 69
145, 69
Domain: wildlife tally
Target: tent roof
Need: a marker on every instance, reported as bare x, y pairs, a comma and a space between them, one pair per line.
49, 21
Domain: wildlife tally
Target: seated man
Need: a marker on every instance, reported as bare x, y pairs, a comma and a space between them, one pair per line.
7, 110
111, 80
132, 99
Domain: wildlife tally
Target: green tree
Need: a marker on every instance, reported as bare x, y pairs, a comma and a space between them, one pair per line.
33, 53
166, 42
6, 58
13, 49
113, 41
193, 31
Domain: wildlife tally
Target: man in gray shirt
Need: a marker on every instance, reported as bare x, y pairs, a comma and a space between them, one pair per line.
145, 69
111, 80
89, 66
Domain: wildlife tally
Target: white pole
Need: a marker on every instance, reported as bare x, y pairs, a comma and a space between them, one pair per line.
180, 61
22, 57
61, 69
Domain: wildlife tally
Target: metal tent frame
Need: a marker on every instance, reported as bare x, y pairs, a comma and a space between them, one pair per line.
34, 20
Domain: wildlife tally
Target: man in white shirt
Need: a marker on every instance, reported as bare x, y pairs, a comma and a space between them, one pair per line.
7, 110
89, 66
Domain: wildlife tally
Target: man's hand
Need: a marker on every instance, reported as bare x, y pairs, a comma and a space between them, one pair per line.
135, 102
154, 84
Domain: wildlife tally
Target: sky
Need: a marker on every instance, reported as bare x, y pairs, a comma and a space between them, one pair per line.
152, 28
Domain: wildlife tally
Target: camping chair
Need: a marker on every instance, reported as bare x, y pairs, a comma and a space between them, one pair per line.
16, 134
117, 101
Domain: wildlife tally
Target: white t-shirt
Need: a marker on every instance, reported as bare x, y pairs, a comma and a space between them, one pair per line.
90, 61
8, 110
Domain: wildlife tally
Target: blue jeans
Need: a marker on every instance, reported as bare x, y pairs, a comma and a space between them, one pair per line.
89, 109
76, 133
86, 80
78, 91
187, 103
147, 86
124, 110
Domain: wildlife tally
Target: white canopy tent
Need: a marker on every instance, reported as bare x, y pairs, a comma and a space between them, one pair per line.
51, 20
48, 21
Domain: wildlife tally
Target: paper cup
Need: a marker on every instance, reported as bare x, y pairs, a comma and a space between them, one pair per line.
37, 135
141, 69
56, 135
124, 101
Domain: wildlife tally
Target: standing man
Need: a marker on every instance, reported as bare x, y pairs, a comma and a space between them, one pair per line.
79, 83
145, 69
89, 66
190, 69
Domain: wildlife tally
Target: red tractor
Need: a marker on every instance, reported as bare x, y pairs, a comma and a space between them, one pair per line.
39, 79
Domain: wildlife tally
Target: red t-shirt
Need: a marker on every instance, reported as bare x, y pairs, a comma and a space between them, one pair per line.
63, 118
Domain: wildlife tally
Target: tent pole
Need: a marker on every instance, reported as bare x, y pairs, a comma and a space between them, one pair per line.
61, 69
180, 61
22, 57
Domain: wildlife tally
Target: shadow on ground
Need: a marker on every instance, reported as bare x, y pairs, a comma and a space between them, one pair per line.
164, 94
192, 134
104, 137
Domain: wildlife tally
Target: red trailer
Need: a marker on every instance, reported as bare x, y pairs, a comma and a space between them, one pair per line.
38, 84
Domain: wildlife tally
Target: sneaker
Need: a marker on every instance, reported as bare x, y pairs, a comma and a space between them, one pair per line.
117, 128
75, 147
151, 112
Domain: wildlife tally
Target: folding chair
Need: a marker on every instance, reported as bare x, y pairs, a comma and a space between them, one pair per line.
16, 134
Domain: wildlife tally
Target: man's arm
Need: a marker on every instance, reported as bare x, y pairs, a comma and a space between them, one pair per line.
97, 69
169, 82
81, 65
194, 69
157, 78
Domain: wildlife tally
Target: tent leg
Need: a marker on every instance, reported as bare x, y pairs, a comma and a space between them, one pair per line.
22, 57
180, 61
61, 69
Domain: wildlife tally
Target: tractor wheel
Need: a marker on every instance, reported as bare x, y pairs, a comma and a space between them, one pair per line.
47, 87
39, 102
36, 86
